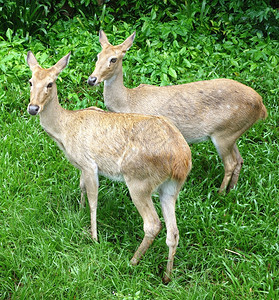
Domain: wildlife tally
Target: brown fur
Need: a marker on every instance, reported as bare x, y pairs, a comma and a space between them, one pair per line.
147, 152
219, 109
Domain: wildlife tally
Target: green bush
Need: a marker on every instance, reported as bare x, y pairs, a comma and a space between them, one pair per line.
26, 17
36, 17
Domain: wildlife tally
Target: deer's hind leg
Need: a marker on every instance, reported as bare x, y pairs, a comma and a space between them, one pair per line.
82, 190
225, 148
90, 182
168, 192
140, 191
237, 169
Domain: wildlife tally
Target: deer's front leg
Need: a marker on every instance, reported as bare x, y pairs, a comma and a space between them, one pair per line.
91, 182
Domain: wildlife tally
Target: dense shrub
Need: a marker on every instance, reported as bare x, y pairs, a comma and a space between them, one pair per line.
37, 17
26, 16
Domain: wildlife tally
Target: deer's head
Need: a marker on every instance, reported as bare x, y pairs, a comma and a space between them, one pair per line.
109, 59
43, 82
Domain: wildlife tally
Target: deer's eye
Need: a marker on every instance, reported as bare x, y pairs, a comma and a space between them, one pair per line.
113, 60
49, 85
30, 83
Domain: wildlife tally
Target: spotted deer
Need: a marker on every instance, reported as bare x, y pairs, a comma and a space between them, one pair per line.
218, 109
148, 153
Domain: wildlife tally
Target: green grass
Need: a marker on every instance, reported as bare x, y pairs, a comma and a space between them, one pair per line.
228, 246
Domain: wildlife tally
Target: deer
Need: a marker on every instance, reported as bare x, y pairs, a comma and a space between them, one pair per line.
147, 152
217, 109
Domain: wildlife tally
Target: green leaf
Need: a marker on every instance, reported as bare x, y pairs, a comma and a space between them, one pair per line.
172, 72
258, 55
234, 62
164, 79
9, 34
187, 63
253, 67
153, 14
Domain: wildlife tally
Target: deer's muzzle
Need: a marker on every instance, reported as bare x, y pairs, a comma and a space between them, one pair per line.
33, 109
92, 80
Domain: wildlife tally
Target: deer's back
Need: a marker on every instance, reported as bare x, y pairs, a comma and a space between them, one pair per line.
126, 144
200, 108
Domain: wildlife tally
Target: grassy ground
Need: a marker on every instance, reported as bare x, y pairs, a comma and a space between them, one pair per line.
228, 245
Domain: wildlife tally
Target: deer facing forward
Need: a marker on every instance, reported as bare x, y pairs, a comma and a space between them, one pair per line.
146, 152
219, 109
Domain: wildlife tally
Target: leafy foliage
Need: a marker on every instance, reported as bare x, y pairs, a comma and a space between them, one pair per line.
27, 16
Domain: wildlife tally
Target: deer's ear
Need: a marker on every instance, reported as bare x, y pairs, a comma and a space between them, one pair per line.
31, 60
62, 63
103, 39
127, 44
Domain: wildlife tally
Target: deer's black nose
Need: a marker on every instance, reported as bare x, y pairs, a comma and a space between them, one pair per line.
92, 80
33, 109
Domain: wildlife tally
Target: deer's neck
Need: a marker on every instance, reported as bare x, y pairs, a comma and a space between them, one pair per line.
115, 93
53, 118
